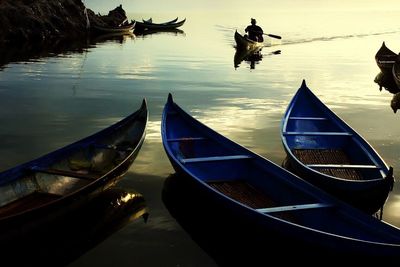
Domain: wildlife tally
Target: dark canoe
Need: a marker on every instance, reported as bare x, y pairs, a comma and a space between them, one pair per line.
159, 26
327, 152
289, 211
396, 71
150, 20
385, 58
123, 29
69, 176
247, 44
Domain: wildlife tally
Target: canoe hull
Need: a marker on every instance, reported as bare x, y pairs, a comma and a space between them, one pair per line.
385, 58
124, 29
369, 198
246, 44
322, 149
59, 191
247, 189
142, 26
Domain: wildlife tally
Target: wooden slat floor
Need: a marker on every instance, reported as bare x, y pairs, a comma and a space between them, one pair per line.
328, 156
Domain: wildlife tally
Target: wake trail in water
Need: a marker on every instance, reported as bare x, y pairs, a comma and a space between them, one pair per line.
227, 30
333, 38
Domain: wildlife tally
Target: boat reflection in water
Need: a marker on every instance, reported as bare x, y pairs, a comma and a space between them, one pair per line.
221, 238
386, 81
149, 32
62, 240
112, 37
250, 57
226, 238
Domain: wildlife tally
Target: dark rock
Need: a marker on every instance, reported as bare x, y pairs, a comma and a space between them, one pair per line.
28, 20
30, 28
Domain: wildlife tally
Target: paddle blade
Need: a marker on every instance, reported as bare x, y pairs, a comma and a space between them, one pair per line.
274, 36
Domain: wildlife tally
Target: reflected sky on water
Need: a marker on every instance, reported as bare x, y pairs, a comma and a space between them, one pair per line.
49, 102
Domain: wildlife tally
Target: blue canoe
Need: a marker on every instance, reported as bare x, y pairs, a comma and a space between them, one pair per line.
327, 152
281, 205
64, 178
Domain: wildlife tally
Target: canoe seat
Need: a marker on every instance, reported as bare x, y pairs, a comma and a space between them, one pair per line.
308, 118
343, 166
185, 139
319, 133
216, 158
295, 207
79, 175
328, 162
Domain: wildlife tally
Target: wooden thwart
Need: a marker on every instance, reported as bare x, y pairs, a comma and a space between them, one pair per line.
308, 118
294, 207
318, 133
85, 176
216, 158
183, 139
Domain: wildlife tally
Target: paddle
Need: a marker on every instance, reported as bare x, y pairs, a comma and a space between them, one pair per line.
273, 35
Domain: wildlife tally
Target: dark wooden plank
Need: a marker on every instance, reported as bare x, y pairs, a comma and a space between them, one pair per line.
28, 202
73, 174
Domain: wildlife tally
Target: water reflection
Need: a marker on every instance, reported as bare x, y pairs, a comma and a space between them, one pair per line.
224, 236
23, 52
147, 32
386, 80
59, 241
112, 37
208, 228
32, 51
250, 57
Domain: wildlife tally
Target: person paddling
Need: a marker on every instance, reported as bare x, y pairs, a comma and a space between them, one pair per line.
254, 31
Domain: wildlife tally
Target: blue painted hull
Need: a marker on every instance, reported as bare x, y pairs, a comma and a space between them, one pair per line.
280, 206
322, 149
62, 180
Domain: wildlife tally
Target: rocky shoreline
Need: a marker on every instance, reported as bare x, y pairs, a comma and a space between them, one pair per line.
39, 28
44, 21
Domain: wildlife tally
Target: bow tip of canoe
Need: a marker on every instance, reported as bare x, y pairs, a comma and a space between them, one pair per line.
170, 99
144, 103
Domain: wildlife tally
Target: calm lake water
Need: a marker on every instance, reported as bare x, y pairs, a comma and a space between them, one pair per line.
49, 102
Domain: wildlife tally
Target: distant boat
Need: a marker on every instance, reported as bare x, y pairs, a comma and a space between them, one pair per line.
322, 149
385, 58
56, 182
122, 29
150, 20
141, 26
282, 209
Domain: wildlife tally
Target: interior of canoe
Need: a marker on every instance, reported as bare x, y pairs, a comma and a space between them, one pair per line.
329, 157
325, 151
36, 186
